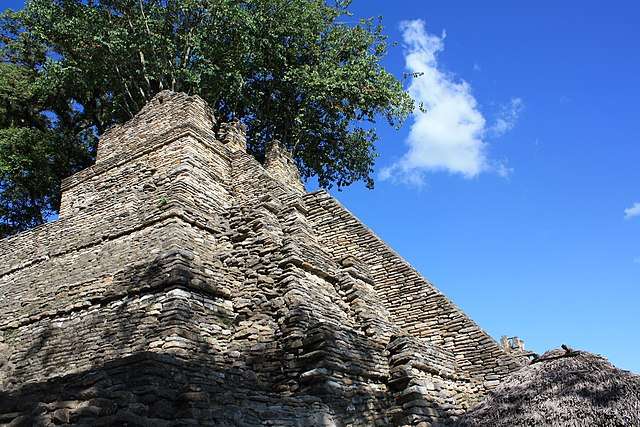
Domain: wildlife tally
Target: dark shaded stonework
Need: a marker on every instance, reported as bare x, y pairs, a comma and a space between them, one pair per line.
186, 284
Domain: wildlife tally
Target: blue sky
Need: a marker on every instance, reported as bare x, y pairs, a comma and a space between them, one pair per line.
515, 192
530, 237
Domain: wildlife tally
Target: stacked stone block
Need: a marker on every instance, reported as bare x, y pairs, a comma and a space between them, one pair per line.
187, 284
415, 305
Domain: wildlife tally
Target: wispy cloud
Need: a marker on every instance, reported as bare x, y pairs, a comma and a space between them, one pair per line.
564, 99
449, 135
507, 117
633, 211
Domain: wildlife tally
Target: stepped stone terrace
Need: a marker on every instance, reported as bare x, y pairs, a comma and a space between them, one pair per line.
185, 283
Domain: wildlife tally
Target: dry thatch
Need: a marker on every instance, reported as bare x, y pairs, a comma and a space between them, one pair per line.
562, 388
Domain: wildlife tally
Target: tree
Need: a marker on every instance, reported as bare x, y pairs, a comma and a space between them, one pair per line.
291, 70
39, 145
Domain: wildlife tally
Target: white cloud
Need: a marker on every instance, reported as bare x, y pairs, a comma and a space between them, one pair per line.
502, 169
450, 134
508, 117
564, 99
633, 211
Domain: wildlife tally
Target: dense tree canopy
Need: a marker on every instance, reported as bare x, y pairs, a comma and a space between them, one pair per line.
298, 71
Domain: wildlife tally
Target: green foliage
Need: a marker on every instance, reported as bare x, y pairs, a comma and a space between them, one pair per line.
35, 153
291, 70
31, 164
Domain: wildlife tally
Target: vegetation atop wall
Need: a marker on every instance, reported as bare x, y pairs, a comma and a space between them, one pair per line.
299, 71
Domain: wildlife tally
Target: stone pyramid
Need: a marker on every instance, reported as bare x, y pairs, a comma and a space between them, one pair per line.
187, 284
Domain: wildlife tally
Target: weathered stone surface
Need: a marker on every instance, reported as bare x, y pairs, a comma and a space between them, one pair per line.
186, 284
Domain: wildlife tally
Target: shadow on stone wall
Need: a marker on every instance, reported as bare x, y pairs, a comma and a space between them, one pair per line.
154, 351
188, 379
155, 389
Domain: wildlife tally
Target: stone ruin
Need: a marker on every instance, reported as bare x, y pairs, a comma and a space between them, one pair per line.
187, 284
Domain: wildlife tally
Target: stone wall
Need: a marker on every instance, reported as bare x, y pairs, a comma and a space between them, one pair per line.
280, 164
414, 303
185, 283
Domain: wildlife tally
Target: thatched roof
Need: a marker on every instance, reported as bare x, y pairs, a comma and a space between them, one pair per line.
562, 388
